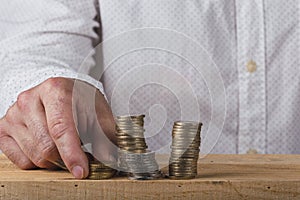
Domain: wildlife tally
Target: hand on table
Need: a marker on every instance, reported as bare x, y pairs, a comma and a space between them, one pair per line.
45, 122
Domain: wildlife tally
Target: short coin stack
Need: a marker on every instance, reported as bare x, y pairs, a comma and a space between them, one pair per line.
98, 170
185, 150
141, 166
133, 156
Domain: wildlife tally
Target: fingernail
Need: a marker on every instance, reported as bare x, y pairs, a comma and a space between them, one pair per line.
77, 172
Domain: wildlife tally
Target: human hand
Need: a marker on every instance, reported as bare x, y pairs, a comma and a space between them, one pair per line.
45, 122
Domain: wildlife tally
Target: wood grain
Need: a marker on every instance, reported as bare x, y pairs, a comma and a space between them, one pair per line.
220, 177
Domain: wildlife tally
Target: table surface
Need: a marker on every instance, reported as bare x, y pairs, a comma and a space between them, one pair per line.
219, 177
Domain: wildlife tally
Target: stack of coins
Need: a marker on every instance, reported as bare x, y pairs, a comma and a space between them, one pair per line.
133, 156
141, 166
98, 170
185, 150
130, 133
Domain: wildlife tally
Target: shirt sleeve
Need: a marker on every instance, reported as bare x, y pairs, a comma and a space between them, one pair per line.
44, 39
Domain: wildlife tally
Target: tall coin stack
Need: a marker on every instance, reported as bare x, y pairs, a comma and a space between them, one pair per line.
185, 150
130, 133
133, 156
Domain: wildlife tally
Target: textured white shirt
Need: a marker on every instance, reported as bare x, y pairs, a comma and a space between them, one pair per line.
233, 65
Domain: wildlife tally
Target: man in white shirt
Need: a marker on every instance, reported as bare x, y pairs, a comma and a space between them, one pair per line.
237, 62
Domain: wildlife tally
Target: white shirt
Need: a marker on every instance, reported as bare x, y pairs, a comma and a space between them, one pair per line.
233, 65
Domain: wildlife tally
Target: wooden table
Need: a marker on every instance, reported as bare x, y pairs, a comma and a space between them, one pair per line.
220, 177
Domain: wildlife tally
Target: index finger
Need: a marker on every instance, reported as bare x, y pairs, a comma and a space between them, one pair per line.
63, 131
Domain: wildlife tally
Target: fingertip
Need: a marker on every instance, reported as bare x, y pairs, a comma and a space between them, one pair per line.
78, 172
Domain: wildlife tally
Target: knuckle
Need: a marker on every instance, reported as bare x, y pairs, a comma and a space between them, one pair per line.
21, 161
58, 129
11, 114
56, 83
33, 153
45, 144
59, 90
24, 99
35, 156
47, 149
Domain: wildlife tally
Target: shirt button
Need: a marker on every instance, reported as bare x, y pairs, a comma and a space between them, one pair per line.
251, 66
252, 151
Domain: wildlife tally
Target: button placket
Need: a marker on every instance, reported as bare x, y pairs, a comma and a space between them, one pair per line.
251, 69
